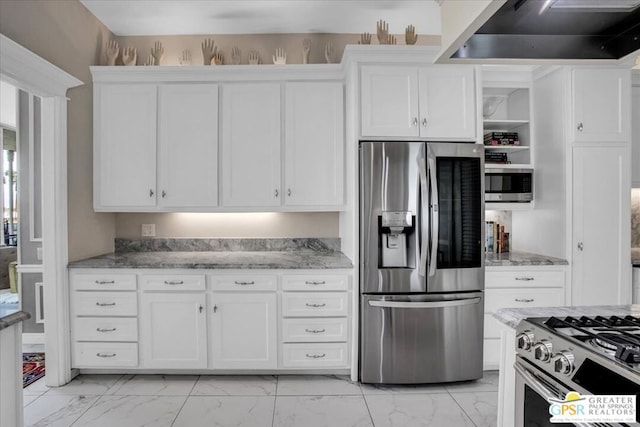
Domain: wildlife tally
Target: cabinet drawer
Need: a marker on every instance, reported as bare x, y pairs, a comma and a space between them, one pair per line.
105, 303
314, 330
315, 304
244, 283
527, 278
176, 283
518, 298
104, 355
105, 329
315, 283
104, 282
314, 355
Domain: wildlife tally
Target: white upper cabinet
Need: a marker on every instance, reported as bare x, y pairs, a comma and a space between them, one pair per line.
314, 144
251, 145
125, 146
188, 145
430, 102
601, 99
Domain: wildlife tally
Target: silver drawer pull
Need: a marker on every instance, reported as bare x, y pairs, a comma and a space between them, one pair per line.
315, 282
526, 279
244, 283
524, 300
315, 305
315, 356
106, 354
105, 304
105, 330
105, 282
173, 282
315, 331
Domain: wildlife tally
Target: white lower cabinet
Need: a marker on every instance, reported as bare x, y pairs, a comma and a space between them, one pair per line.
173, 331
517, 287
244, 331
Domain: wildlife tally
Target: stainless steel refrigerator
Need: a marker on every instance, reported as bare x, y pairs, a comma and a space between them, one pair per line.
421, 262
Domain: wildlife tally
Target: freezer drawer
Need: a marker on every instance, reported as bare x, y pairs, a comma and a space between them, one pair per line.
421, 339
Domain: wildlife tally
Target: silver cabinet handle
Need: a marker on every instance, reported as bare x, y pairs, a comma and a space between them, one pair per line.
315, 305
289, 192
315, 331
244, 283
580, 246
215, 308
415, 122
524, 299
526, 279
106, 330
164, 194
580, 127
423, 304
275, 192
106, 354
200, 308
314, 282
151, 193
105, 282
105, 304
315, 356
174, 282
424, 122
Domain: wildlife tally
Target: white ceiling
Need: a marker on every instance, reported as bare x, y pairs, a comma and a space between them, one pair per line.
174, 17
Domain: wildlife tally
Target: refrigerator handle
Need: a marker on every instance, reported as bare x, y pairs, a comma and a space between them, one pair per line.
425, 235
424, 304
435, 220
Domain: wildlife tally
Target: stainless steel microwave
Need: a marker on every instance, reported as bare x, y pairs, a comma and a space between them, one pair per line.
508, 185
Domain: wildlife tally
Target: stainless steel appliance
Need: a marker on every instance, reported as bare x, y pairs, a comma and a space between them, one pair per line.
591, 355
421, 262
508, 185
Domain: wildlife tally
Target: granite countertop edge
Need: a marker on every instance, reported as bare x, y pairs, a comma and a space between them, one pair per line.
512, 259
13, 317
513, 316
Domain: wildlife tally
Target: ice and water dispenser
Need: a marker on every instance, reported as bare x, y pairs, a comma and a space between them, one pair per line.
396, 245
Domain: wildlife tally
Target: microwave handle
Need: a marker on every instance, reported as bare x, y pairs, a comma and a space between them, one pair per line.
435, 220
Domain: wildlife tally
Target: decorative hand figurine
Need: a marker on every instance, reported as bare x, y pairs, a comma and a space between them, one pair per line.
254, 58
157, 52
280, 57
129, 56
235, 55
306, 48
328, 53
391, 39
382, 31
410, 36
150, 60
112, 52
185, 58
365, 38
209, 50
217, 59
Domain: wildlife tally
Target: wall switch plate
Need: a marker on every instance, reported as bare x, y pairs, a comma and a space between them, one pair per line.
148, 230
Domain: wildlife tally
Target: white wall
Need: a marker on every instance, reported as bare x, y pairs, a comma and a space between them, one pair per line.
7, 105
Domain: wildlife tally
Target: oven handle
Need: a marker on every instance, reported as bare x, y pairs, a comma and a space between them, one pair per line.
423, 304
533, 382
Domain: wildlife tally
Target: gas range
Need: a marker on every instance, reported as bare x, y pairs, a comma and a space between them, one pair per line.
591, 355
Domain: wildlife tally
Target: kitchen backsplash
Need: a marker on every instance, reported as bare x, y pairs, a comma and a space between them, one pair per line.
226, 245
635, 217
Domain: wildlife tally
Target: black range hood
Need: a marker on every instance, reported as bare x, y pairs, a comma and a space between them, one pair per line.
557, 29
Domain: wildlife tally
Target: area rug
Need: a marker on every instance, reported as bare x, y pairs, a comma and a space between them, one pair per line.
32, 368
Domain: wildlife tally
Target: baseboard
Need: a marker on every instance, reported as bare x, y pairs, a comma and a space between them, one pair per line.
33, 338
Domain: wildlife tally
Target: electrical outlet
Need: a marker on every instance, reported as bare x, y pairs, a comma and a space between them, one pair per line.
148, 230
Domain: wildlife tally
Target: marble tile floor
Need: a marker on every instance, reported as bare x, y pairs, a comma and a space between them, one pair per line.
269, 401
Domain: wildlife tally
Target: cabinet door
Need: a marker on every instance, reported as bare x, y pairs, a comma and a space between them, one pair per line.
635, 136
243, 332
447, 103
251, 145
389, 100
601, 226
188, 145
314, 135
124, 146
173, 331
601, 105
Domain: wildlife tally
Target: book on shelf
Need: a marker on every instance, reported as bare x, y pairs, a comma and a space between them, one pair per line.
501, 138
497, 240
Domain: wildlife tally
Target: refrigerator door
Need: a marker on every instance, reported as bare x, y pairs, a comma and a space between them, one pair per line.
455, 205
413, 339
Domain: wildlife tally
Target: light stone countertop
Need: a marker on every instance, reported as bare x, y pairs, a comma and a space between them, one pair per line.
512, 316
635, 257
11, 316
511, 259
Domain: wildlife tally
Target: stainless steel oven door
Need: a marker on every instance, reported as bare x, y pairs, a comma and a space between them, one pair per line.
534, 388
